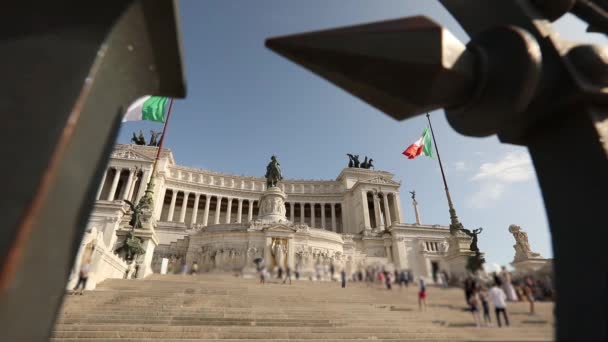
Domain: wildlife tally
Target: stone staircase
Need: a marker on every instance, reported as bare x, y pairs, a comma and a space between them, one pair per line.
214, 307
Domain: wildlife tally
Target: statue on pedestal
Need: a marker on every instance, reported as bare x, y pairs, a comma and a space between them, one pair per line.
522, 246
273, 172
473, 235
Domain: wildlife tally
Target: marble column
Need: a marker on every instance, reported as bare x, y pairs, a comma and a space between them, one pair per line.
323, 215
195, 209
366, 219
143, 184
292, 207
416, 212
378, 213
302, 206
159, 204
229, 210
387, 212
250, 211
103, 181
114, 184
206, 213
127, 189
333, 218
132, 188
312, 215
172, 205
239, 211
291, 254
182, 214
218, 208
397, 204
388, 252
399, 253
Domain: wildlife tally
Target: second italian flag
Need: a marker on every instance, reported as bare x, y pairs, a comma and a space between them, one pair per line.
422, 146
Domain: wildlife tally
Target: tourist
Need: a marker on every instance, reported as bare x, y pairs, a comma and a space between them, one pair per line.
421, 294
483, 295
343, 277
389, 280
83, 276
332, 270
507, 284
194, 268
499, 299
446, 278
474, 305
262, 273
469, 284
184, 268
297, 272
280, 273
287, 275
529, 292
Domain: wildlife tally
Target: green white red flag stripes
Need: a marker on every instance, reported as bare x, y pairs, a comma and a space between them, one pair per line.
150, 108
422, 146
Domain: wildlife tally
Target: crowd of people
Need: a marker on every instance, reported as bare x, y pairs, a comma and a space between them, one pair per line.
501, 290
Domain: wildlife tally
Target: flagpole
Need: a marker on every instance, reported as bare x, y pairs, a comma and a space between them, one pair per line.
453, 218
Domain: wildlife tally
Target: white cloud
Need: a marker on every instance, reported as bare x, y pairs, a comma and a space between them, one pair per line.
486, 195
460, 166
514, 167
493, 177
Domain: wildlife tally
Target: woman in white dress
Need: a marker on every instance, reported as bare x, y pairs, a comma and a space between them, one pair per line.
507, 286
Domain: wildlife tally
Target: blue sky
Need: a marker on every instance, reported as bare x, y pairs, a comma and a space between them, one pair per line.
245, 103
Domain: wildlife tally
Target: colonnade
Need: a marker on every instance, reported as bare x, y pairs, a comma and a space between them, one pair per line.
206, 209
329, 222
118, 183
168, 214
382, 209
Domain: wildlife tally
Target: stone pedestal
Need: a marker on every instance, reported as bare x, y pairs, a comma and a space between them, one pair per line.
529, 265
149, 243
272, 207
458, 254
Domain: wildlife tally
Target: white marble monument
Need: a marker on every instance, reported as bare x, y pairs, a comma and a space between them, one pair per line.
224, 221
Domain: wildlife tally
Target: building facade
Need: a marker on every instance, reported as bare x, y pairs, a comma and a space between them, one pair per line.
217, 219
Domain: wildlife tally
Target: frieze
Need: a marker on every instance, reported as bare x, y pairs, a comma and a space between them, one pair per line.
129, 154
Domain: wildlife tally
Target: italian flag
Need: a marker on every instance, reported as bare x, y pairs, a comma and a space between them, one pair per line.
150, 108
422, 146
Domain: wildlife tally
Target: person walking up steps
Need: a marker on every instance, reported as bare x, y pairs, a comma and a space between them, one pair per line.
474, 305
421, 294
83, 276
483, 295
499, 299
529, 292
287, 275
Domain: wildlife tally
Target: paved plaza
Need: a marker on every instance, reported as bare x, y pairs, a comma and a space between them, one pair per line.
221, 307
